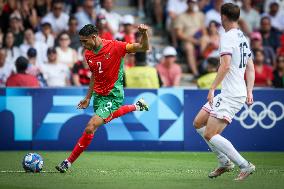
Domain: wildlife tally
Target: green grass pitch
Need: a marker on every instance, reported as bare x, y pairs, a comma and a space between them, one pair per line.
123, 170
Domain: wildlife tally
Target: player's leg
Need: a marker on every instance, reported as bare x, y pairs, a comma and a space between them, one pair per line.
212, 133
225, 164
86, 138
140, 105
82, 143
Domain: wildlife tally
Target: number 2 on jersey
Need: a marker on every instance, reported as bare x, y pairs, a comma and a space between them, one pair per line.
243, 54
100, 67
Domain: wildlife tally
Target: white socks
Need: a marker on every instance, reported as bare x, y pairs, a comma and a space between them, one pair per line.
226, 147
222, 158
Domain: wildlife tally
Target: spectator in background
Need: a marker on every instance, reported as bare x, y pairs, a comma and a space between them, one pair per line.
141, 13
65, 54
38, 45
129, 31
21, 78
204, 5
5, 69
205, 81
113, 19
267, 4
87, 15
276, 16
5, 15
188, 26
263, 73
280, 50
210, 41
1, 38
55, 74
13, 52
102, 26
81, 73
45, 34
214, 14
129, 61
174, 8
16, 27
256, 43
57, 18
158, 10
141, 75
278, 73
249, 16
169, 71
73, 34
33, 68
270, 36
28, 14
258, 5
42, 7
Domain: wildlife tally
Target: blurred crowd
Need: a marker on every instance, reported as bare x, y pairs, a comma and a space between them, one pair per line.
40, 46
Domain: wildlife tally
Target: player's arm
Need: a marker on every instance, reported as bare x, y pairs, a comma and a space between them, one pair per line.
86, 101
144, 43
250, 76
225, 62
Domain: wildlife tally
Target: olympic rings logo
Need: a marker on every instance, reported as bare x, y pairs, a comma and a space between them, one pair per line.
258, 118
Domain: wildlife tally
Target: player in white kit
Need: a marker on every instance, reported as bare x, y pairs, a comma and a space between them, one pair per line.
218, 112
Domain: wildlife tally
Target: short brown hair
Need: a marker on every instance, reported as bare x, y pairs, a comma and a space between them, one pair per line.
231, 11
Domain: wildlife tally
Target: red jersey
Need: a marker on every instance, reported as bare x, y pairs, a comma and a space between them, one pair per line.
262, 77
105, 64
22, 80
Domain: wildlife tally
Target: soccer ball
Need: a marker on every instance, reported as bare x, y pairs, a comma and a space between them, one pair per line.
32, 162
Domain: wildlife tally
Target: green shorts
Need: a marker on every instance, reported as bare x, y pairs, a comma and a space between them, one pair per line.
104, 106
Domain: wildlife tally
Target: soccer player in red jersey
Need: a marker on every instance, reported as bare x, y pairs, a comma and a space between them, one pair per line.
105, 60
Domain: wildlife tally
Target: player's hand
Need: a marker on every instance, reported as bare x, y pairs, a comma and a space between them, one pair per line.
83, 104
210, 97
249, 100
142, 28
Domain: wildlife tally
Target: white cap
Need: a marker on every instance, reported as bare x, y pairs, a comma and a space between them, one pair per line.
169, 51
128, 19
46, 20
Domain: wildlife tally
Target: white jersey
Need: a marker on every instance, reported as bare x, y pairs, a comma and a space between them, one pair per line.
235, 44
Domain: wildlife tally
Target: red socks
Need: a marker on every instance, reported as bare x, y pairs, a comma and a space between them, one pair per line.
81, 145
86, 139
120, 112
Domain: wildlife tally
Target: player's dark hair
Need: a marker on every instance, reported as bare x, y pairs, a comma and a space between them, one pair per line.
88, 30
21, 64
231, 11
